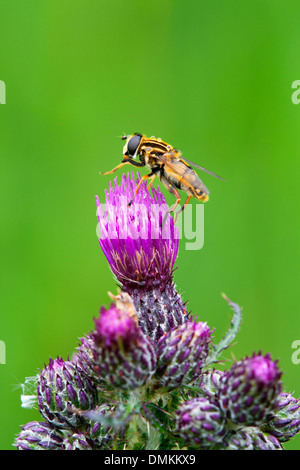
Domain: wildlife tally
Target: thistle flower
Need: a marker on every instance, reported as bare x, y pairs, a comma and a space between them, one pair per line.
39, 436
181, 354
63, 392
124, 354
200, 422
285, 422
119, 390
249, 390
141, 253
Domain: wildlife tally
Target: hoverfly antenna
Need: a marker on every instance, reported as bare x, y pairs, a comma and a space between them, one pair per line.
124, 136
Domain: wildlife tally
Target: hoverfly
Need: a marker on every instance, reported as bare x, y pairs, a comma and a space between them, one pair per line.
165, 162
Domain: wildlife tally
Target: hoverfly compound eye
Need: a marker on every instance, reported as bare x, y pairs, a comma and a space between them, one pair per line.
133, 144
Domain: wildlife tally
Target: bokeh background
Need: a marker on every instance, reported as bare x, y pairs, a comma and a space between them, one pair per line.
212, 78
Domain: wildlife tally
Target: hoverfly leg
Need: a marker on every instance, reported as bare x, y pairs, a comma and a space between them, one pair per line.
182, 208
164, 220
170, 211
173, 190
114, 169
143, 178
175, 205
151, 182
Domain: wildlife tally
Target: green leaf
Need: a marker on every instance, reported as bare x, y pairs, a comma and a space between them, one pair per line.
230, 335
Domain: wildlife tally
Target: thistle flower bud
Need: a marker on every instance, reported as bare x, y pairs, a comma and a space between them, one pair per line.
252, 438
285, 422
84, 358
210, 380
141, 253
76, 441
181, 354
39, 436
249, 390
99, 433
125, 356
63, 392
240, 440
200, 422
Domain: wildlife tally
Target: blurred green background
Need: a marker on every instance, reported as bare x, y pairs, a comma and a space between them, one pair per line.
212, 78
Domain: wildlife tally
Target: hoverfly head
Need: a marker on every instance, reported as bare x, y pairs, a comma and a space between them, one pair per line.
132, 145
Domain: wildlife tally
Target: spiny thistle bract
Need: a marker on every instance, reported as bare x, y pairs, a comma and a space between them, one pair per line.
144, 377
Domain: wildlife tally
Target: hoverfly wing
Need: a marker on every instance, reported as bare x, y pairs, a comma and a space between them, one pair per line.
178, 168
201, 168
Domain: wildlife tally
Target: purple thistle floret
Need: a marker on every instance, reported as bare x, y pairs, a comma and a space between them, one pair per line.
182, 353
125, 356
141, 252
249, 391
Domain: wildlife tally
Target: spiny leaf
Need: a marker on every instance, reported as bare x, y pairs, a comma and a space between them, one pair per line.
230, 335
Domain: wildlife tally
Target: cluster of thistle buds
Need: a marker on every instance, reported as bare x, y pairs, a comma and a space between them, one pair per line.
144, 377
